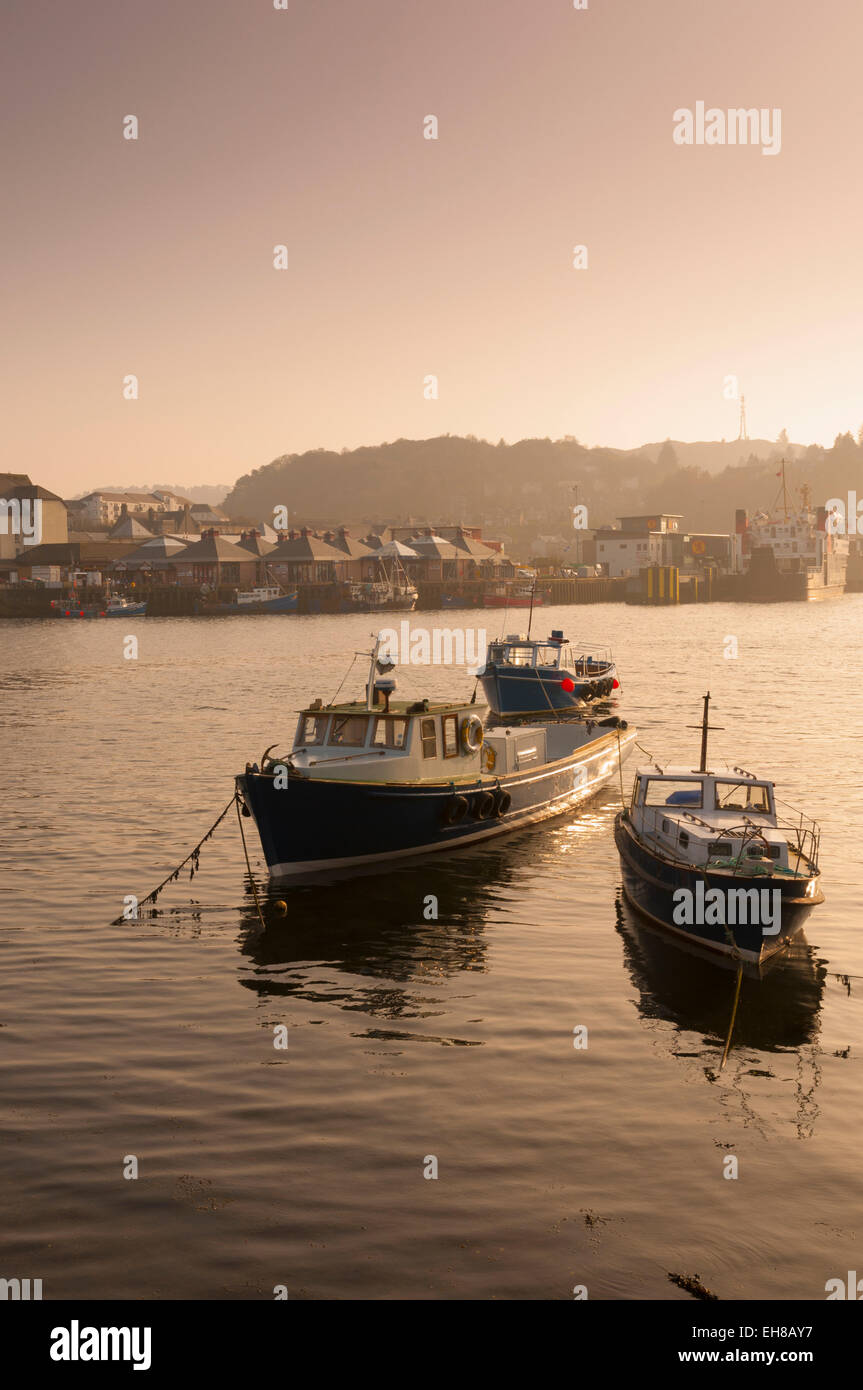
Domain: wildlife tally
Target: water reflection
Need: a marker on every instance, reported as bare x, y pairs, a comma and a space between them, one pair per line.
694, 989
376, 947
762, 1020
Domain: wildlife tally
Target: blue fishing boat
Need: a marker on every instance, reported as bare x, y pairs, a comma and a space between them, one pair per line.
119, 607
527, 678
706, 855
261, 600
375, 780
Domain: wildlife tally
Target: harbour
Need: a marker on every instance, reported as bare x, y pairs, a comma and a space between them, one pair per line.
430, 1007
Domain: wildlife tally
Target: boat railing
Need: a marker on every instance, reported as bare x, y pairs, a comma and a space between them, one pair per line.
802, 834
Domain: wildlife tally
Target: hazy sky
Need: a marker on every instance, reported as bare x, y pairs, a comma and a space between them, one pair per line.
408, 256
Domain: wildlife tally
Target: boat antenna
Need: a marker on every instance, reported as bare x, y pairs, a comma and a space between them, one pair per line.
530, 614
705, 727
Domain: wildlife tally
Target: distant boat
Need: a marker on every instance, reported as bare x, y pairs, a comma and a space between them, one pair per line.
705, 855
524, 677
261, 600
513, 594
375, 780
118, 607
792, 554
392, 591
73, 608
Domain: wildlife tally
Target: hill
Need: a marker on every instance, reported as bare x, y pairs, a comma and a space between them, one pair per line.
533, 483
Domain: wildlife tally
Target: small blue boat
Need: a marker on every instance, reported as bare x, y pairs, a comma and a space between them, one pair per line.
375, 780
261, 600
538, 679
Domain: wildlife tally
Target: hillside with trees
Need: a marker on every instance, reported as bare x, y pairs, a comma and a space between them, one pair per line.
532, 484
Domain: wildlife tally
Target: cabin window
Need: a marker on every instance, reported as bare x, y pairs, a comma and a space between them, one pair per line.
721, 847
449, 725
668, 791
314, 729
684, 840
349, 730
763, 851
519, 656
390, 732
429, 738
742, 796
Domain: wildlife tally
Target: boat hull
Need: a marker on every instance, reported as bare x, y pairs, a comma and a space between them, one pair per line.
651, 880
537, 690
285, 603
315, 824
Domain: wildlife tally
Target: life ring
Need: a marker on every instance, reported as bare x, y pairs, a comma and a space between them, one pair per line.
490, 758
454, 810
471, 734
483, 806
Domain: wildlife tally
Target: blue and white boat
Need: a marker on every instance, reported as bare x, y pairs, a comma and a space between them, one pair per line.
533, 679
376, 780
119, 607
270, 599
706, 855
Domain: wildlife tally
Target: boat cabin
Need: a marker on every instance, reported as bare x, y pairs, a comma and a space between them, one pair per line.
716, 819
555, 652
403, 741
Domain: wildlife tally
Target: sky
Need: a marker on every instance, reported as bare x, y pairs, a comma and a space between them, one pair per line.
711, 269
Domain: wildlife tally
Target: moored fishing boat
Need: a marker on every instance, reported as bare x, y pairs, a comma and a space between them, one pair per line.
376, 780
260, 600
118, 607
706, 855
529, 678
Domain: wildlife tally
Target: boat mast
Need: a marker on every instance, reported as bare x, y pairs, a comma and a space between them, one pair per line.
704, 726
530, 614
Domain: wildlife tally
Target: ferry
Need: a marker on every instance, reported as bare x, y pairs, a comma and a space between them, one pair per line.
790, 554
529, 678
706, 855
379, 779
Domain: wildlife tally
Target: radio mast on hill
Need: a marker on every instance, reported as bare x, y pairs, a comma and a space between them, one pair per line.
743, 431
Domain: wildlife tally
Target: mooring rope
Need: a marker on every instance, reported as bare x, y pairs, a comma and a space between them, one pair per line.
194, 855
248, 865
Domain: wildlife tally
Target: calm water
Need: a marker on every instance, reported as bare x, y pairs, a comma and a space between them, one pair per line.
409, 1037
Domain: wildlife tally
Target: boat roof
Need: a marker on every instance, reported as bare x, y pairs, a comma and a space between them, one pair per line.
677, 770
400, 707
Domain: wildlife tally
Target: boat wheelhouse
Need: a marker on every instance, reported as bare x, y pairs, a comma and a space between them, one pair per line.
707, 854
365, 782
531, 678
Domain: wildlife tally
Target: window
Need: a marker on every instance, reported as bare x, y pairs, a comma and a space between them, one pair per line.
684, 840
349, 730
668, 791
390, 732
314, 729
760, 851
742, 796
723, 848
429, 738
449, 725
